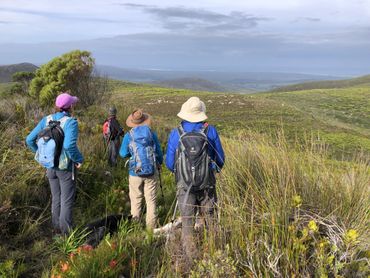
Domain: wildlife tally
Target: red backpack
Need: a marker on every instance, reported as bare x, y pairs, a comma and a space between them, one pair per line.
111, 129
106, 129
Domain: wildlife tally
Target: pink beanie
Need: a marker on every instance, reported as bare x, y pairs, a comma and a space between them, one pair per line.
65, 100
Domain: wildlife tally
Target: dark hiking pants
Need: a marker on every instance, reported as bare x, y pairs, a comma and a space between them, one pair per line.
63, 191
113, 149
202, 202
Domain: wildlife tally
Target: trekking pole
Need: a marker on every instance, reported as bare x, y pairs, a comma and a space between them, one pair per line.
73, 171
160, 181
172, 221
174, 211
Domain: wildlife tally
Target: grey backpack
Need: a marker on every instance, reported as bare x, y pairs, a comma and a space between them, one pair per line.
192, 166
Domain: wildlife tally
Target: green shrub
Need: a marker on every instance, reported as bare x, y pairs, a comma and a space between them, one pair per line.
69, 72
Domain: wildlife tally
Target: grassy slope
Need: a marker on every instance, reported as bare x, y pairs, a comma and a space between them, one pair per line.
262, 161
339, 116
363, 81
349, 107
346, 111
4, 88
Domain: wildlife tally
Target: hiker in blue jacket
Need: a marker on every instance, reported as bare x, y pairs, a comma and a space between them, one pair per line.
61, 178
141, 144
191, 199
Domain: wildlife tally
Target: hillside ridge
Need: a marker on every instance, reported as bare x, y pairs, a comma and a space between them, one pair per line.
326, 84
6, 71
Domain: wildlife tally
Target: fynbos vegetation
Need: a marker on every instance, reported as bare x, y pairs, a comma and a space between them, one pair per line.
291, 204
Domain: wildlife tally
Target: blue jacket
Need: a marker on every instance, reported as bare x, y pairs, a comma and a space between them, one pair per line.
70, 136
215, 149
125, 150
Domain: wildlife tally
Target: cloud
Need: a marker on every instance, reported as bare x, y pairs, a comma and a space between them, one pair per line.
355, 36
178, 37
132, 5
56, 15
201, 21
186, 13
309, 19
246, 52
312, 19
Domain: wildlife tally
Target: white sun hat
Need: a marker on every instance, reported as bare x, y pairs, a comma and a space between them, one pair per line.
193, 110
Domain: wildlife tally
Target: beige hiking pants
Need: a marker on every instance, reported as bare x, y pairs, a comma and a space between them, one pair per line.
144, 187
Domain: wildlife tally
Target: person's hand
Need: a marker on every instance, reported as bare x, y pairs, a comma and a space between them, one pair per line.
78, 165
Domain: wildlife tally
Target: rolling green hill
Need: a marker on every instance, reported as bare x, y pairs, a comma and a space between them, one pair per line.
6, 71
339, 115
344, 108
329, 84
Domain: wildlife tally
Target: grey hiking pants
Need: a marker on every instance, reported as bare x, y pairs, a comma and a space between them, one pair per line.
63, 190
113, 149
203, 202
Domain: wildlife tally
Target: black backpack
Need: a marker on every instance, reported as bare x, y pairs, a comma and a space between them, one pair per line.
192, 166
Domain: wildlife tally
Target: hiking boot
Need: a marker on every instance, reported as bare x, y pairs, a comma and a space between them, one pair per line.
137, 221
56, 232
199, 224
57, 237
108, 173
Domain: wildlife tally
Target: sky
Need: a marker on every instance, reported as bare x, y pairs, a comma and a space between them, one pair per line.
311, 36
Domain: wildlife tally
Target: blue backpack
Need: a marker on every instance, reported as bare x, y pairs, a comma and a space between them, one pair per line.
50, 140
142, 149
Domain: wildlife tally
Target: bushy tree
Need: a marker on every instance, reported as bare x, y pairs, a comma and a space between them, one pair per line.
23, 76
23, 79
70, 72
17, 88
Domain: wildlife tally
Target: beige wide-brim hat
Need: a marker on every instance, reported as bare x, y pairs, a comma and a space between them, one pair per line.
138, 117
193, 110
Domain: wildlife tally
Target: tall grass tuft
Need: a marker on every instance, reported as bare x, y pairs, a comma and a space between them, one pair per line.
285, 211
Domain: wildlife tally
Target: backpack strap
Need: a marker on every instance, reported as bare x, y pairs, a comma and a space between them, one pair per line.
181, 133
204, 128
181, 130
132, 139
49, 118
63, 121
